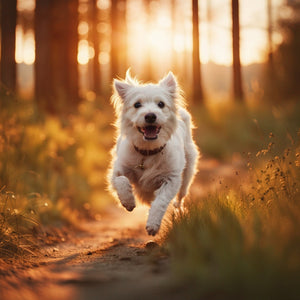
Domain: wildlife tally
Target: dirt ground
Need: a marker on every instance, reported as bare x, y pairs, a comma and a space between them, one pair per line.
109, 259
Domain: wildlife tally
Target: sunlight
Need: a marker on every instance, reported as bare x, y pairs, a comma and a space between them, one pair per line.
104, 58
83, 28
158, 41
85, 52
25, 46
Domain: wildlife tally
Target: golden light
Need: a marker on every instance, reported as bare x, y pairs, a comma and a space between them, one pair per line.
29, 48
182, 43
25, 46
83, 28
83, 54
103, 4
19, 45
104, 58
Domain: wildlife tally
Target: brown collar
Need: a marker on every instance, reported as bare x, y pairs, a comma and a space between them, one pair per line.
146, 152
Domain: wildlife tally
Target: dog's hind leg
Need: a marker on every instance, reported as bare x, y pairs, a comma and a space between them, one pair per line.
191, 157
188, 173
124, 190
163, 196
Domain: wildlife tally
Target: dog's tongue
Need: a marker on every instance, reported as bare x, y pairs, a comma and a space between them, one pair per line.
150, 132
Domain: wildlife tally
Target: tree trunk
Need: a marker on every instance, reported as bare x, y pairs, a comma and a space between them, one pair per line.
197, 81
95, 41
114, 63
237, 77
8, 44
43, 72
118, 38
56, 73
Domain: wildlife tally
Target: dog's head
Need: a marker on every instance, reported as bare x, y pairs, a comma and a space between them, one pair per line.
147, 111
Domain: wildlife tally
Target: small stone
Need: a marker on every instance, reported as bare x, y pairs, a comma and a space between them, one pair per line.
125, 258
151, 245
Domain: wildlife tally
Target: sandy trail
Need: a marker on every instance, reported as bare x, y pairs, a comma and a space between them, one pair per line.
109, 259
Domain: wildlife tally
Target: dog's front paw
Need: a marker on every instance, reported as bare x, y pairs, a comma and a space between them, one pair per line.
124, 191
127, 201
129, 206
152, 229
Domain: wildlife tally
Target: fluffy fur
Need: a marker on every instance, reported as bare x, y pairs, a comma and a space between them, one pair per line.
151, 117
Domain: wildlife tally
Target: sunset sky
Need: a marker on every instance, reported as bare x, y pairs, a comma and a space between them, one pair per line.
215, 37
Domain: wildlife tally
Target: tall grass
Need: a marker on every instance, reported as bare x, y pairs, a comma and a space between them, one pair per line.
226, 130
52, 168
243, 242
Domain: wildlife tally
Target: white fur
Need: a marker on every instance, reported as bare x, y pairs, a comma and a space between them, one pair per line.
164, 175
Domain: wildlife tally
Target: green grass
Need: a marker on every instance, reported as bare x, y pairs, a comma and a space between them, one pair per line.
243, 242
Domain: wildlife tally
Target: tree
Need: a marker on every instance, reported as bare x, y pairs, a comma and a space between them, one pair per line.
197, 80
237, 77
118, 37
8, 44
95, 41
286, 58
43, 72
56, 73
270, 33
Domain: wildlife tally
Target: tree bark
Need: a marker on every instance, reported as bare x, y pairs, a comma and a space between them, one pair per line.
197, 80
8, 44
43, 72
95, 41
56, 67
238, 93
118, 38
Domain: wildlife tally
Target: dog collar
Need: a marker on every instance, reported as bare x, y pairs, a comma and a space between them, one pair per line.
146, 152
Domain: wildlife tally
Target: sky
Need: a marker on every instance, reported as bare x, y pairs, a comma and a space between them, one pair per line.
215, 36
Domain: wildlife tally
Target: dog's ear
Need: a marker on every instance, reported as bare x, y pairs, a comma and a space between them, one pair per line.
122, 88
128, 77
169, 82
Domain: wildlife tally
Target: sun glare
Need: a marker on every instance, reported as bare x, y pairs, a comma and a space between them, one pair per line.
25, 46
152, 36
85, 52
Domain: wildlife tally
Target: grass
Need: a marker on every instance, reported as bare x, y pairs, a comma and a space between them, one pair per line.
226, 130
243, 242
52, 168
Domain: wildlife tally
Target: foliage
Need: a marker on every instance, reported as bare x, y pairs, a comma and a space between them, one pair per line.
243, 242
52, 168
226, 131
283, 75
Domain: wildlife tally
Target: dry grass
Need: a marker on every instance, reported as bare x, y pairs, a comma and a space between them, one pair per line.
52, 168
243, 242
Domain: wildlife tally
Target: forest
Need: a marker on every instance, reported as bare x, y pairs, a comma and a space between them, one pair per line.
62, 235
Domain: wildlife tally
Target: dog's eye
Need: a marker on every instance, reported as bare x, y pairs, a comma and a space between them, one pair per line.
161, 104
137, 104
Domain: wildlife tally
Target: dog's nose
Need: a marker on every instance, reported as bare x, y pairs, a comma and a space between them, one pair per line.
150, 118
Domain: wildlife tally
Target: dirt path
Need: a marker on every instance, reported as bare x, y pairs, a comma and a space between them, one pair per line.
110, 259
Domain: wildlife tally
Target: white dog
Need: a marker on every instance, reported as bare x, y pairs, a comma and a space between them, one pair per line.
155, 157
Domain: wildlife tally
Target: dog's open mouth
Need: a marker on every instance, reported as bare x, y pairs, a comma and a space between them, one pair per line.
150, 132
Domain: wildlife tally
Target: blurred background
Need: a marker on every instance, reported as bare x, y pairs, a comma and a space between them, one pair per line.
66, 51
237, 62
